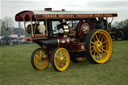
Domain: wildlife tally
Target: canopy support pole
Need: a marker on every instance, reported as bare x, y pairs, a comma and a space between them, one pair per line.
24, 28
107, 22
46, 24
35, 26
112, 19
32, 28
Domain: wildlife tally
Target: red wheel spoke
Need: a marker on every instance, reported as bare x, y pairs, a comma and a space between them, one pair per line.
37, 56
105, 41
92, 46
94, 53
104, 46
93, 43
38, 53
100, 55
100, 35
97, 53
96, 37
105, 51
93, 50
41, 64
101, 39
93, 38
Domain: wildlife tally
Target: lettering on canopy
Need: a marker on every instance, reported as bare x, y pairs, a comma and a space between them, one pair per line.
61, 16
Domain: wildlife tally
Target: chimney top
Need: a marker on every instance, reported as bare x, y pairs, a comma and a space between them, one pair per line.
63, 9
48, 9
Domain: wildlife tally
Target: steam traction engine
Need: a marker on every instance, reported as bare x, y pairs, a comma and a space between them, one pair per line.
67, 35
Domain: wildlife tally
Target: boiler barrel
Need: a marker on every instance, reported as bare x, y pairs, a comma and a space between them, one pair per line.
50, 42
59, 41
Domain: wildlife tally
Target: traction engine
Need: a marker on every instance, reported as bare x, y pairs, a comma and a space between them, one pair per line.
67, 35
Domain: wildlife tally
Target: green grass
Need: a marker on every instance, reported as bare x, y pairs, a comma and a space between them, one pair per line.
16, 69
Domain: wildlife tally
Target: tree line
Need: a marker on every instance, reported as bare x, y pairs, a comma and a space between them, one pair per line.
121, 24
7, 27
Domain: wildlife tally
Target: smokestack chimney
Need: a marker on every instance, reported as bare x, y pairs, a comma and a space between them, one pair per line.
63, 9
48, 9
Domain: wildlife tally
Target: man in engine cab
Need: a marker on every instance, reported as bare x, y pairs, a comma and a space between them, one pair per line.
62, 23
37, 28
102, 23
60, 27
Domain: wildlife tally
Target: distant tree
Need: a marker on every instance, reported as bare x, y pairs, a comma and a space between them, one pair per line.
7, 23
115, 24
126, 22
121, 24
0, 25
5, 31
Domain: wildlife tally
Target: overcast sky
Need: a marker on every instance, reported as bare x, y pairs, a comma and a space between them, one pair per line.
11, 7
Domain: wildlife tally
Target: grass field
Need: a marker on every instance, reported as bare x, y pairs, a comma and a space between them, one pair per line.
16, 69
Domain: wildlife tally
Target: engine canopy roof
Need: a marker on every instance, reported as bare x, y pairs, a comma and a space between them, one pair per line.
28, 15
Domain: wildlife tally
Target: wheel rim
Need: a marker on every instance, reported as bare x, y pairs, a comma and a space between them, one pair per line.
101, 46
41, 60
61, 59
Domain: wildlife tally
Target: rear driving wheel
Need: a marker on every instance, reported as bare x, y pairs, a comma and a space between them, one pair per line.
39, 59
60, 59
99, 46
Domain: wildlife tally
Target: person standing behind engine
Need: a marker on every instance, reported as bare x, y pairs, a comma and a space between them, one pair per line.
102, 23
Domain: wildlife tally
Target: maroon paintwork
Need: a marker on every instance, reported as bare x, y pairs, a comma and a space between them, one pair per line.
81, 29
24, 15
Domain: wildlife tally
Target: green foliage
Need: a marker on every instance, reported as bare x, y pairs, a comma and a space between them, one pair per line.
121, 24
16, 69
6, 25
5, 31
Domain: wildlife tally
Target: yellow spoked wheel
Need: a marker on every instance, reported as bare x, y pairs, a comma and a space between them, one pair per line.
99, 46
60, 59
39, 59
